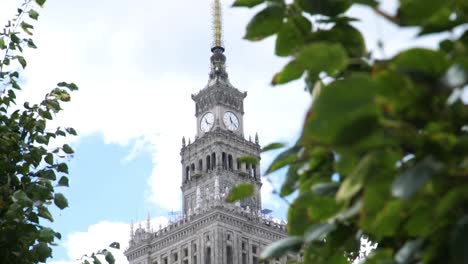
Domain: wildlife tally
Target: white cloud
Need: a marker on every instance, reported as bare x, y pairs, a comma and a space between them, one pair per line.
100, 236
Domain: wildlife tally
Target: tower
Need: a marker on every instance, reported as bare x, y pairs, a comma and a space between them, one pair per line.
210, 230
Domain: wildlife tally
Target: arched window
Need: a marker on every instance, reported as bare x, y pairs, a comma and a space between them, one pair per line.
213, 160
229, 256
192, 167
208, 255
187, 173
200, 165
208, 163
247, 167
254, 170
223, 160
230, 161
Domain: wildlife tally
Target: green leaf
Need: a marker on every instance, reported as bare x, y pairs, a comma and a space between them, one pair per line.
387, 221
292, 35
326, 189
115, 245
240, 191
41, 140
2, 43
67, 149
249, 160
31, 44
42, 251
49, 158
47, 235
247, 3
110, 258
355, 181
22, 61
411, 180
62, 167
45, 114
48, 174
419, 61
343, 106
60, 201
265, 23
44, 213
281, 247
318, 232
284, 159
21, 197
291, 182
40, 2
70, 86
26, 27
33, 14
273, 146
459, 241
71, 131
417, 12
323, 57
292, 71
63, 181
96, 260
324, 7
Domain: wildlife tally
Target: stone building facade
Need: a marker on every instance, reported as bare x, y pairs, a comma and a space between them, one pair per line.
210, 230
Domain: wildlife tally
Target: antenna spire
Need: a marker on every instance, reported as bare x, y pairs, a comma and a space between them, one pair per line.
217, 27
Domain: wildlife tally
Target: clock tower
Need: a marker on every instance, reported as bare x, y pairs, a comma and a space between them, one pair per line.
210, 230
212, 163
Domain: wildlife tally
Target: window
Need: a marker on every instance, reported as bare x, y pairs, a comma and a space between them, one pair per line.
238, 164
185, 252
254, 170
213, 160
243, 245
223, 160
187, 173
254, 249
230, 162
200, 165
208, 255
208, 164
254, 260
165, 260
207, 238
193, 167
229, 255
194, 248
228, 237
244, 258
175, 257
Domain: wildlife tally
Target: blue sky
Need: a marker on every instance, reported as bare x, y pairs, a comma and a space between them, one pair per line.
137, 63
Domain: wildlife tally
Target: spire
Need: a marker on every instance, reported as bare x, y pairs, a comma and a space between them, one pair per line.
131, 230
148, 224
218, 60
217, 26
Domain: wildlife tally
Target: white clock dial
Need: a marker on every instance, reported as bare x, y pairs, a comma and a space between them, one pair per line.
207, 122
230, 121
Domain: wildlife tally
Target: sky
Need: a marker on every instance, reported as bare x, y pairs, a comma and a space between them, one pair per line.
137, 63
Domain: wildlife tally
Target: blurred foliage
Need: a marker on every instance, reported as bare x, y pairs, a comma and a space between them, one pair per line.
31, 168
384, 147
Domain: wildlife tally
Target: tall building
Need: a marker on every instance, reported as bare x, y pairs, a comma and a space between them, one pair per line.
210, 230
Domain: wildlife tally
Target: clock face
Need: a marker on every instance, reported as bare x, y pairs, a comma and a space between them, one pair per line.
230, 121
207, 122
